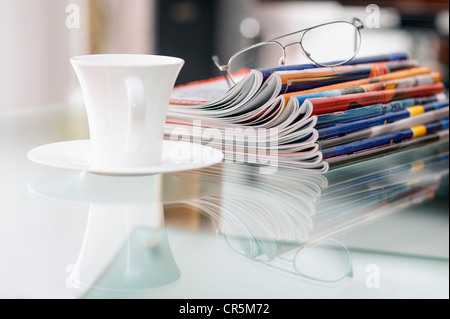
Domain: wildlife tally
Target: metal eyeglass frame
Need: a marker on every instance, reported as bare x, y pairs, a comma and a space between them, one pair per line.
357, 23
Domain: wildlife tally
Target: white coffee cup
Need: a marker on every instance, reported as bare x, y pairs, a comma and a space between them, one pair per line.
126, 97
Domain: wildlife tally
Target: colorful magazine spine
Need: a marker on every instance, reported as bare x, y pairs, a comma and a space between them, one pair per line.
379, 152
371, 111
423, 118
386, 139
323, 105
389, 85
299, 81
346, 128
381, 78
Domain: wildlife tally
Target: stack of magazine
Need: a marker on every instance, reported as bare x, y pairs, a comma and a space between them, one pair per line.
314, 118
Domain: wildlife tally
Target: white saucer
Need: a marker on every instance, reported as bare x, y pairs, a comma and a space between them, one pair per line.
76, 155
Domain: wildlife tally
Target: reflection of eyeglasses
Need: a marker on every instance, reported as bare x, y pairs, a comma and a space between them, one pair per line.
337, 41
326, 261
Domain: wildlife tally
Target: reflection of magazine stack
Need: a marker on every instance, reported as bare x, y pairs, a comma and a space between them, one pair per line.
265, 216
316, 117
377, 188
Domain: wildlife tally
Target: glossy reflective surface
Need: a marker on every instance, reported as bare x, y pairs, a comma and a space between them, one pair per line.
377, 229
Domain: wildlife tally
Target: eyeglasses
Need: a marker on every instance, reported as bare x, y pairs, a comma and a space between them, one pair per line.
337, 41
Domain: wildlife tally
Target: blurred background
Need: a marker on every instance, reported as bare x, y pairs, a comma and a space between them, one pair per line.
38, 37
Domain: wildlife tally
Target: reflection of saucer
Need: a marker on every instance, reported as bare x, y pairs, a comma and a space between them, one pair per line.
76, 155
94, 188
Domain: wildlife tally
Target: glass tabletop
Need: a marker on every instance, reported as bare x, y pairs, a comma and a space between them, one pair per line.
375, 229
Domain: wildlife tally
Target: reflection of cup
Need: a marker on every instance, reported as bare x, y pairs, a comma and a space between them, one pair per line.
84, 187
125, 248
126, 97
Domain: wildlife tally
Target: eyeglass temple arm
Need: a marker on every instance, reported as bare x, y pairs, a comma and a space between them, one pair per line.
216, 61
222, 68
358, 25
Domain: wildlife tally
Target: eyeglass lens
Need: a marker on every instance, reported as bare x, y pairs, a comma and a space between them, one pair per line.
332, 42
263, 56
326, 260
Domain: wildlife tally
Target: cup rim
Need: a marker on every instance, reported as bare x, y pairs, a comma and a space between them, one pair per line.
128, 60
